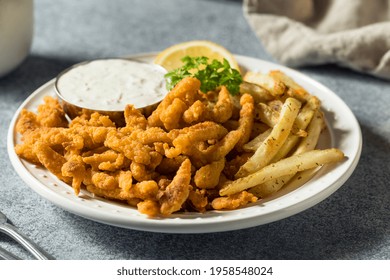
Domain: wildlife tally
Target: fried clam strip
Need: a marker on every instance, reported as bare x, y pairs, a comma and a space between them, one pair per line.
120, 186
207, 176
36, 127
198, 199
51, 114
193, 142
92, 120
177, 192
201, 111
286, 166
151, 135
171, 116
130, 147
53, 137
27, 122
246, 120
233, 201
143, 172
274, 141
91, 129
224, 146
108, 160
184, 139
187, 92
307, 144
134, 118
51, 160
75, 168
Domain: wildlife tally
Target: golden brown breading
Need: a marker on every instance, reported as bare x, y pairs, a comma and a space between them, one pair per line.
105, 181
201, 111
108, 160
76, 169
116, 193
198, 199
171, 116
94, 120
51, 114
134, 118
186, 90
208, 176
176, 193
141, 173
233, 201
132, 149
246, 120
51, 160
27, 122
149, 207
223, 109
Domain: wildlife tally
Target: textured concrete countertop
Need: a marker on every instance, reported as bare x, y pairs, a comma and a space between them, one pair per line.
353, 223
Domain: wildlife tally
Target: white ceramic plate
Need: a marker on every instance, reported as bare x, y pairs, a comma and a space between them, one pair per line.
343, 133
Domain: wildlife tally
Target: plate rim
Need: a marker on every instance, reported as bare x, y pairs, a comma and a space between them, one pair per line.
166, 225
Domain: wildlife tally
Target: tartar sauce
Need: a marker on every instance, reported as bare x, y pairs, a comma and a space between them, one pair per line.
111, 84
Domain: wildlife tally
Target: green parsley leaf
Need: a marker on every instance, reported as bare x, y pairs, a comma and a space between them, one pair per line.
211, 75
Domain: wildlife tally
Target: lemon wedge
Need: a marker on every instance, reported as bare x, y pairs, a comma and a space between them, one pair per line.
170, 58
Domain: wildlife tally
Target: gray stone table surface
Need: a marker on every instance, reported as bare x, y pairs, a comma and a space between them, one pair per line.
353, 223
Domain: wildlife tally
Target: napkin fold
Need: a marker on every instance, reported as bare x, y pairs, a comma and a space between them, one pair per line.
352, 33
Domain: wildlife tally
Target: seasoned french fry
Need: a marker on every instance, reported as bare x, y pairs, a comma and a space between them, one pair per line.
294, 90
265, 114
287, 166
258, 128
274, 141
255, 143
313, 133
301, 122
259, 93
307, 144
301, 178
273, 86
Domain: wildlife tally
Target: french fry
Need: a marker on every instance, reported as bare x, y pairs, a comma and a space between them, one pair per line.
293, 89
307, 144
272, 85
265, 114
287, 166
313, 133
274, 141
301, 122
255, 143
259, 93
258, 128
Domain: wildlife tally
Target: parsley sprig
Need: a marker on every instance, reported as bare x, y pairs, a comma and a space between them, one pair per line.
211, 75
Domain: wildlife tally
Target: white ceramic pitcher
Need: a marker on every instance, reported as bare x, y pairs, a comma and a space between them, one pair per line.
16, 33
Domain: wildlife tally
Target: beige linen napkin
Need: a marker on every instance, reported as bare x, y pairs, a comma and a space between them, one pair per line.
351, 33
